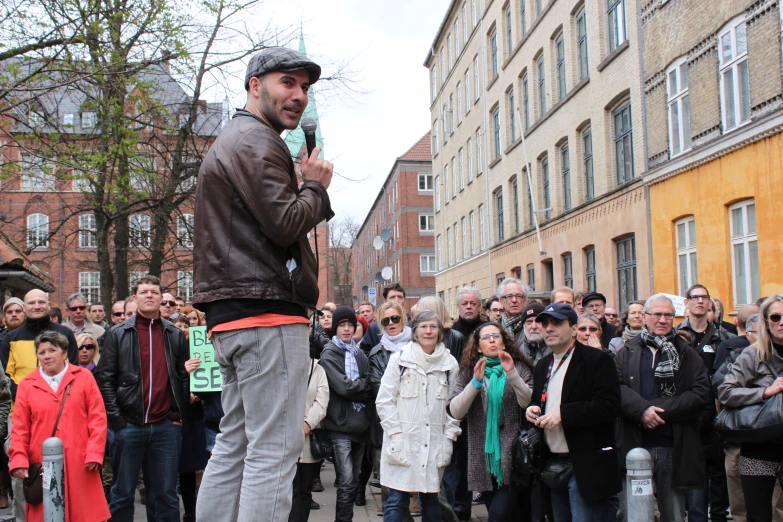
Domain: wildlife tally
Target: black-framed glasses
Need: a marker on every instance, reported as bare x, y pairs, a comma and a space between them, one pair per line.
510, 297
77, 308
658, 317
393, 319
168, 303
699, 297
117, 314
87, 347
610, 315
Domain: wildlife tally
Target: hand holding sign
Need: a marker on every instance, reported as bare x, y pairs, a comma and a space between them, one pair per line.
204, 370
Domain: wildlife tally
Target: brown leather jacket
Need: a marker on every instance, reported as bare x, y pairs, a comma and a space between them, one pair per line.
251, 218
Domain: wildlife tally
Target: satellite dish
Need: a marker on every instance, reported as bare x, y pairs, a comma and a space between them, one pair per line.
377, 243
365, 288
385, 234
378, 278
386, 273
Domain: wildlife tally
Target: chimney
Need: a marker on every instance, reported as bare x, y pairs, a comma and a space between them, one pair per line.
166, 61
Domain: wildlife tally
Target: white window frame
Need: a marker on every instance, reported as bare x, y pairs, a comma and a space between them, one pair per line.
185, 223
464, 239
686, 249
434, 74
185, 285
465, 29
437, 194
482, 235
454, 177
427, 177
457, 257
617, 27
426, 263
493, 54
37, 231
472, 216
449, 253
435, 142
140, 231
439, 244
428, 220
461, 169
581, 44
678, 107
446, 182
90, 286
745, 239
479, 162
89, 120
456, 38
470, 160
87, 231
477, 77
512, 119
733, 65
37, 174
467, 92
459, 103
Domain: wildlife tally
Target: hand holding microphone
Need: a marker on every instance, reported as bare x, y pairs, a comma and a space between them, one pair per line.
314, 169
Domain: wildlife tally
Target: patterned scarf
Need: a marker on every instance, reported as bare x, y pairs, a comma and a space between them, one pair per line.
496, 383
513, 324
669, 361
351, 366
394, 343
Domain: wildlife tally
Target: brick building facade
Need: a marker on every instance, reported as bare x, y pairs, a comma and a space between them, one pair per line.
404, 207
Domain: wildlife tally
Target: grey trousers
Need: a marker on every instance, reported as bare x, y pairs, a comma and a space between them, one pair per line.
19, 505
251, 472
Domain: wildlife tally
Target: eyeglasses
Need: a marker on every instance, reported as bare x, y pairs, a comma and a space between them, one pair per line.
699, 297
610, 315
168, 303
496, 310
117, 314
87, 347
587, 329
77, 308
487, 337
393, 319
775, 318
511, 297
658, 317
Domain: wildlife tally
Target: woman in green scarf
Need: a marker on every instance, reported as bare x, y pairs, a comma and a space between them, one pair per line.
494, 385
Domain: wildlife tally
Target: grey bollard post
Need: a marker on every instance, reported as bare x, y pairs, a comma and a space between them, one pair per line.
638, 486
53, 480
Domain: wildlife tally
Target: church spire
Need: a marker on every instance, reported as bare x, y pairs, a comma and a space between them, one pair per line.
295, 139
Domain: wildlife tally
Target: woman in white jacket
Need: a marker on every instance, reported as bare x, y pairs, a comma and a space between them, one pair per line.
307, 468
417, 432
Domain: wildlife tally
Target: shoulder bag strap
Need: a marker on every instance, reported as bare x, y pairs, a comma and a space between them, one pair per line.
62, 405
312, 367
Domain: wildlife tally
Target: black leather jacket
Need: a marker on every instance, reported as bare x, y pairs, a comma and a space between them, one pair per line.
119, 373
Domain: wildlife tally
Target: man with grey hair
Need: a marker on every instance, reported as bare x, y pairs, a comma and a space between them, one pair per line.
78, 321
469, 308
664, 392
513, 296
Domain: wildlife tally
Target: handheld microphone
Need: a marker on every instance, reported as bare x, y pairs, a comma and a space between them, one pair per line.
308, 126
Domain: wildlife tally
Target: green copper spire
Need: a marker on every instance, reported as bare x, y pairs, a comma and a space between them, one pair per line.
295, 139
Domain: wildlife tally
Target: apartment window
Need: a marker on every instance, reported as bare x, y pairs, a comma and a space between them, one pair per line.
531, 220
185, 230
446, 182
687, 268
442, 65
470, 160
623, 144
472, 216
426, 222
744, 253
561, 68
425, 181
499, 210
526, 102
590, 275
37, 174
626, 271
467, 92
474, 12
456, 241
568, 271
461, 169
464, 239
448, 247
439, 244
734, 79
547, 191
512, 121
565, 170
531, 277
581, 44
427, 264
549, 275
434, 75
493, 46
482, 237
499, 278
465, 22
541, 87
87, 229
437, 194
454, 177
679, 105
459, 103
89, 120
37, 231
616, 14
509, 36
477, 77
140, 232
479, 162
539, 7
451, 113
515, 196
90, 286
451, 52
587, 159
185, 285
456, 38
435, 142
496, 132
523, 17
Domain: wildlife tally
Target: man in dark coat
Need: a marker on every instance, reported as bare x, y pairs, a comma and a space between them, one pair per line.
665, 391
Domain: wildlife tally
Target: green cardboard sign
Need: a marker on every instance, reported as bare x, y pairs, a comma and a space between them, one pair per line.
205, 378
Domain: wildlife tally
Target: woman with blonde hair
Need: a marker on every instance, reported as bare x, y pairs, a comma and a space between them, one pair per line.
454, 341
753, 378
88, 351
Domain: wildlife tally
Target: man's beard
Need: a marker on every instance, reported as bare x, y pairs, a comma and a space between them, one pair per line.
533, 338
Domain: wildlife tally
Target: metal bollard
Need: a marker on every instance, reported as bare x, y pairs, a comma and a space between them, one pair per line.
638, 486
53, 480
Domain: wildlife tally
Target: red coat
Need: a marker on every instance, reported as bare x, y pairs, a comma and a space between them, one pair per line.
82, 429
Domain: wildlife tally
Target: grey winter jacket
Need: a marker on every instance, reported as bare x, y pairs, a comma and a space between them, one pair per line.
342, 421
747, 378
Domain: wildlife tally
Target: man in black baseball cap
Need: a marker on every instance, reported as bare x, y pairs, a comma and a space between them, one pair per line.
532, 342
595, 303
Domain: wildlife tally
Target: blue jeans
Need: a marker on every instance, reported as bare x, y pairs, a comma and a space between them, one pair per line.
397, 505
153, 448
568, 505
347, 459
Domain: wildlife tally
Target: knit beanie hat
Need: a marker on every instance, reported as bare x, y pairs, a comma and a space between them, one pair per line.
343, 313
361, 320
13, 300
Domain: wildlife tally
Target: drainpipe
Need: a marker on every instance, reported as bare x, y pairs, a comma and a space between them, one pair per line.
646, 147
485, 157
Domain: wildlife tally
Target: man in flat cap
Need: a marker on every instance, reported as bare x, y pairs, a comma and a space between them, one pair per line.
255, 277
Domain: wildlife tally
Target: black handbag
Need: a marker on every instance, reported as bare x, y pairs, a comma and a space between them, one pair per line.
320, 443
32, 486
525, 452
761, 422
556, 473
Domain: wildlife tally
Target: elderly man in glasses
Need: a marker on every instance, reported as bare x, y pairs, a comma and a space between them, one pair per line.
513, 296
78, 320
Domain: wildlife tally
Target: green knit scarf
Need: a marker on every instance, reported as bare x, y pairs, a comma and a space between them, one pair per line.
496, 382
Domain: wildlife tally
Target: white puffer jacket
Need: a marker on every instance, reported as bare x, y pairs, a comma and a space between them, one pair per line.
417, 432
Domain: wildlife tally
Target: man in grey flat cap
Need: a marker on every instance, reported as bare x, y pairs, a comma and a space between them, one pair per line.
255, 277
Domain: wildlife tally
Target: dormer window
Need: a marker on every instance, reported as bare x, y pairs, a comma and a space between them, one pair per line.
89, 120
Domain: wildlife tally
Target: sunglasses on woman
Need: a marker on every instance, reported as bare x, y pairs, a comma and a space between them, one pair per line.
393, 319
591, 329
87, 347
775, 318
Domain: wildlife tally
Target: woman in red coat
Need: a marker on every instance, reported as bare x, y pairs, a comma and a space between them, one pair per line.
82, 429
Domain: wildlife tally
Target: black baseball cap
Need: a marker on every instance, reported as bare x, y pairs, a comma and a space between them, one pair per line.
592, 296
532, 310
559, 311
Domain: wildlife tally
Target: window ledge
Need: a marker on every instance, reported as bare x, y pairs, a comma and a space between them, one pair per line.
611, 57
513, 145
495, 161
578, 87
492, 82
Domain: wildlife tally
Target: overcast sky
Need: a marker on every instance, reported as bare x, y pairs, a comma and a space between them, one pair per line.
387, 42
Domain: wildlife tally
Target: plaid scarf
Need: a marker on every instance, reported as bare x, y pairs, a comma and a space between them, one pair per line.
513, 324
351, 366
669, 361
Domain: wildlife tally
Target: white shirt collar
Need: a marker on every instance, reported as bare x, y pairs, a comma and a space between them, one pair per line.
54, 380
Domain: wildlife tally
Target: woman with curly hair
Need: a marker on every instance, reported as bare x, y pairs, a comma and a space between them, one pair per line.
494, 385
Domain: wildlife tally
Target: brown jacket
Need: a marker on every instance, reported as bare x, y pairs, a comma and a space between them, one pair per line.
251, 218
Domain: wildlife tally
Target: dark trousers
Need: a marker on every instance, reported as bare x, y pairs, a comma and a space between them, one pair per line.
715, 493
348, 457
303, 491
366, 472
758, 497
187, 489
502, 503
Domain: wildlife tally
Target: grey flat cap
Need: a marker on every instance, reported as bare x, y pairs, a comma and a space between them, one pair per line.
280, 59
12, 300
